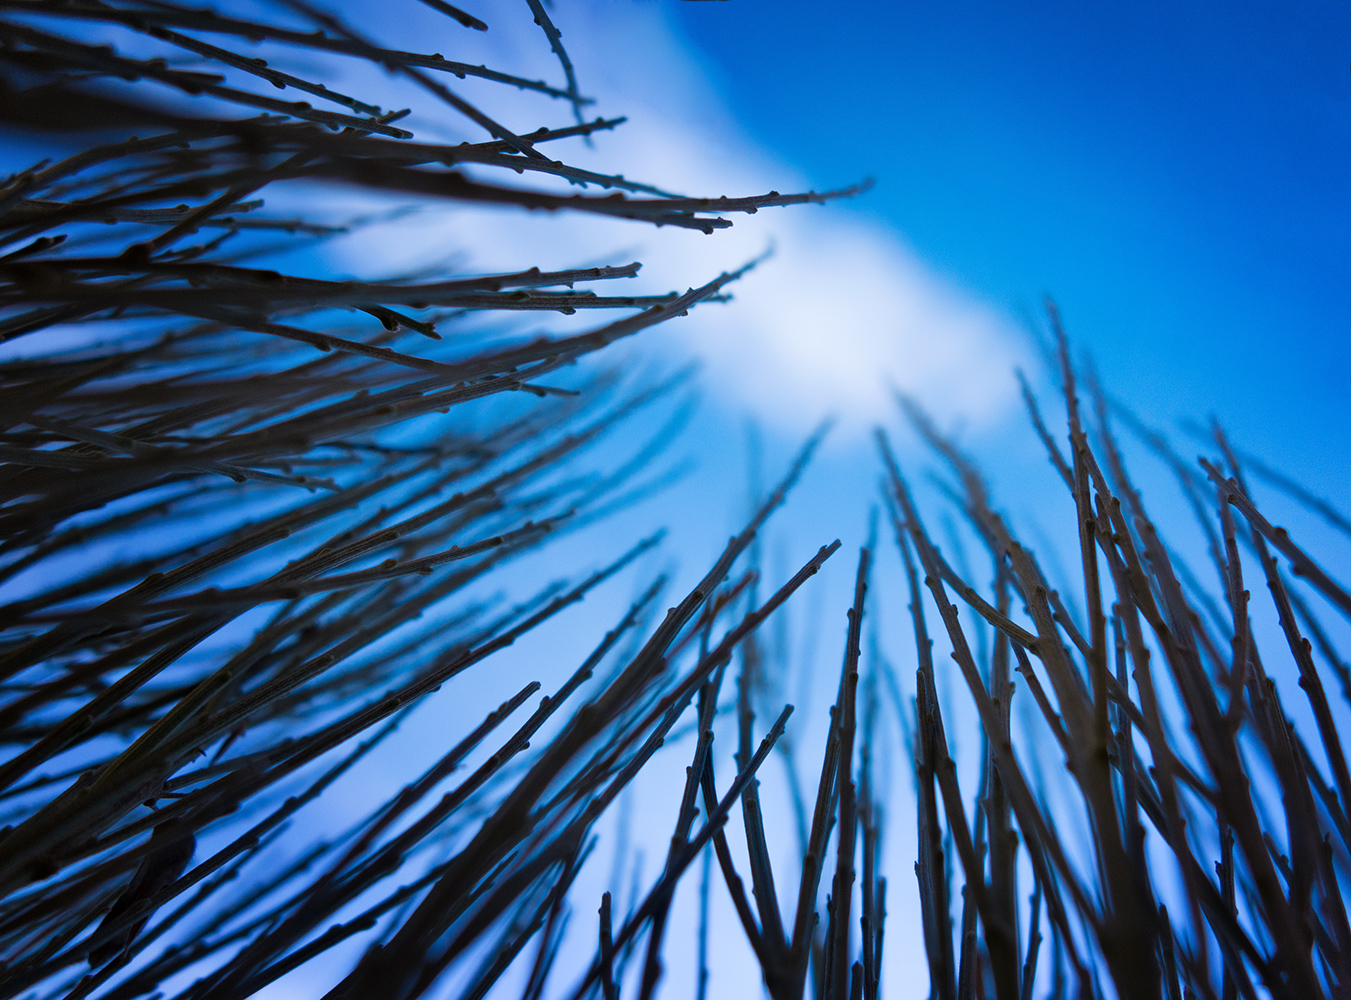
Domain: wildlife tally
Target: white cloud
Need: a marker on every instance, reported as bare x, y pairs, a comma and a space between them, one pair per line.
842, 310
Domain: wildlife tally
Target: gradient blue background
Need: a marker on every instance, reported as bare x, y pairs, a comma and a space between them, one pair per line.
1175, 175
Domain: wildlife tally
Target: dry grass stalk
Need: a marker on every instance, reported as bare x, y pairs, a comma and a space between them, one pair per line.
269, 447
1178, 752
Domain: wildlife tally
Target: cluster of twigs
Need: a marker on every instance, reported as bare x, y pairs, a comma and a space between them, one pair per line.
1198, 841
238, 543
799, 955
245, 521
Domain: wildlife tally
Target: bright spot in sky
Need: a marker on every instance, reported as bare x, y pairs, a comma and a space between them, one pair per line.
841, 313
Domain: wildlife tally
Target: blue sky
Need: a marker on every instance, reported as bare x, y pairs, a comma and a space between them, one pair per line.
1176, 175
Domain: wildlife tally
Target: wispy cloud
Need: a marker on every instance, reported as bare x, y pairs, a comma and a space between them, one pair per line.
842, 311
